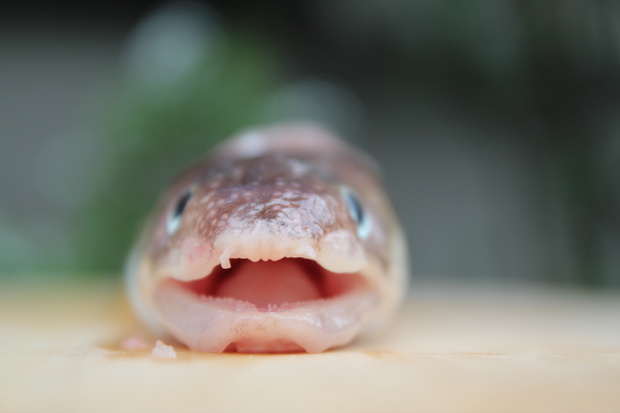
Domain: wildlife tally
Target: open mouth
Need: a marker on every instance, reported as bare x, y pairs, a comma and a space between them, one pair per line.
274, 285
288, 305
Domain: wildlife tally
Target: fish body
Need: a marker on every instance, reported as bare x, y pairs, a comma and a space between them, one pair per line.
281, 240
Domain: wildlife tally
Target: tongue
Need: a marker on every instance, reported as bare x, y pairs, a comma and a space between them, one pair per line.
269, 282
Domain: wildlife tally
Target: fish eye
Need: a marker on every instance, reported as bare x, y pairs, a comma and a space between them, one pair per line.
174, 218
361, 219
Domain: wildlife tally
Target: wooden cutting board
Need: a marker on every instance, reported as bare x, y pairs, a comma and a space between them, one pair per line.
450, 349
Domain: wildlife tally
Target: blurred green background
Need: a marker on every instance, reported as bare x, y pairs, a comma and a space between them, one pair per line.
497, 123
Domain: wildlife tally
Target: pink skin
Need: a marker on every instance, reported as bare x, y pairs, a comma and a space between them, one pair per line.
288, 305
221, 324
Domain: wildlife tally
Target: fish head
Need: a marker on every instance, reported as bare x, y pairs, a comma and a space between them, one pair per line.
280, 228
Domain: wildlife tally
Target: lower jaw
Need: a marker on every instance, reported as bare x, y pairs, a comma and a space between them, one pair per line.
215, 324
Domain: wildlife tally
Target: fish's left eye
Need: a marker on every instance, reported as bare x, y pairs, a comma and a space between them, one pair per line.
357, 213
175, 215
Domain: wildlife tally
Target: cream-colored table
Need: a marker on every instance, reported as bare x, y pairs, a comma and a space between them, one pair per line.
451, 349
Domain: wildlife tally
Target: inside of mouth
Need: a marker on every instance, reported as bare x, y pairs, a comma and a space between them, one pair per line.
274, 285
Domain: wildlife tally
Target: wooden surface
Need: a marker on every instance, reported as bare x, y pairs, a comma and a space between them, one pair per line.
451, 349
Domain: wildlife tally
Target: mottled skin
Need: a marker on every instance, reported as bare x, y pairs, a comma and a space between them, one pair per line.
243, 193
270, 194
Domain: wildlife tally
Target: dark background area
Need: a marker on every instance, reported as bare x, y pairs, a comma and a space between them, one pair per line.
497, 123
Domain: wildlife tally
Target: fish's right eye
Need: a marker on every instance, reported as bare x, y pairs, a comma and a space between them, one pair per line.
175, 215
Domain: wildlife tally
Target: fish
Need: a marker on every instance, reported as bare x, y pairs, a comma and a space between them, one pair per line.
280, 240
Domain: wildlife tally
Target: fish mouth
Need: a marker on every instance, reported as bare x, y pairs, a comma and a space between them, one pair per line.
272, 306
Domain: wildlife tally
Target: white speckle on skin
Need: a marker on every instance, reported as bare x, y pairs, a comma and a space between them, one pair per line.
163, 351
251, 144
298, 168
